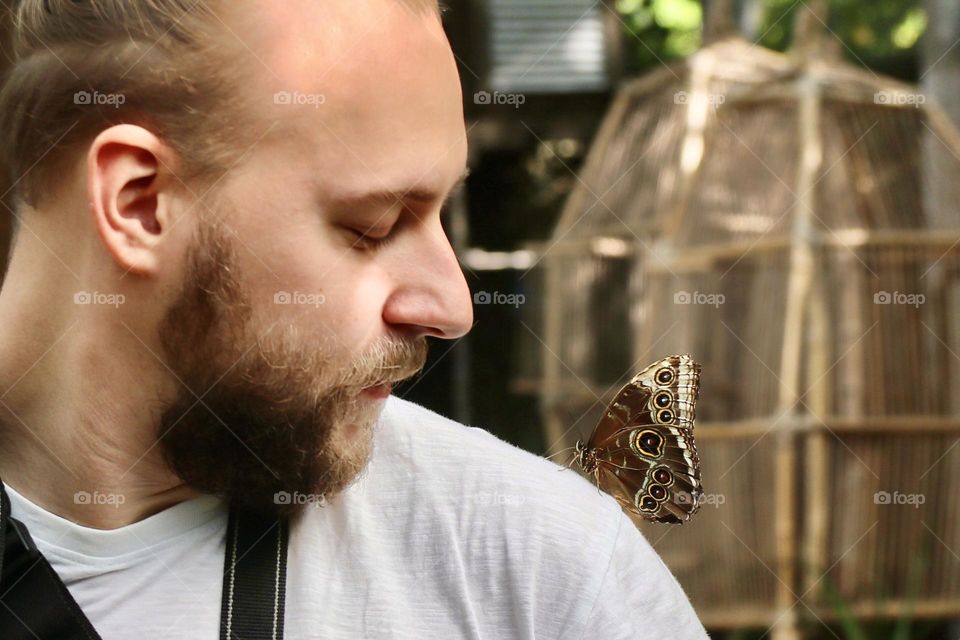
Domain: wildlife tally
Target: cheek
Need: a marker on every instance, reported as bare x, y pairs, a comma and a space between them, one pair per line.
325, 294
355, 304
299, 270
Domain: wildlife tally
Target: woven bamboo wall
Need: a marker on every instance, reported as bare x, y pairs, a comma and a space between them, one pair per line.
756, 210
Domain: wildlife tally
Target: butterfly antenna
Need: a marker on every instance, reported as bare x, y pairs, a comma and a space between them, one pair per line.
562, 451
573, 458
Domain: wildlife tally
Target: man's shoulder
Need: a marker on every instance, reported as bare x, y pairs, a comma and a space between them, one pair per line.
457, 519
453, 461
424, 437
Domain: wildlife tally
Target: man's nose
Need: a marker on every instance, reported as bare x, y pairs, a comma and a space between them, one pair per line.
432, 297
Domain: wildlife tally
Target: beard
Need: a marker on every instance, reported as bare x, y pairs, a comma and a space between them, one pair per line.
270, 420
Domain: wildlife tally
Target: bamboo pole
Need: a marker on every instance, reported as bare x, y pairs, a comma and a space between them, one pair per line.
575, 206
800, 282
809, 47
817, 453
705, 257
719, 20
551, 367
698, 114
809, 30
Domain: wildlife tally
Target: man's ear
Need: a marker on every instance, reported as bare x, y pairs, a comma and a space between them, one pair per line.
130, 211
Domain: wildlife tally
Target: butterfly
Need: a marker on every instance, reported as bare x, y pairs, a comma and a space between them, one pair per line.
642, 451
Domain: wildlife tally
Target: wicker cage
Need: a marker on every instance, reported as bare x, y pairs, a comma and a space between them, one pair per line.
792, 222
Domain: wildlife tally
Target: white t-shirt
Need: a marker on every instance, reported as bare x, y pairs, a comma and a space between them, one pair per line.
449, 533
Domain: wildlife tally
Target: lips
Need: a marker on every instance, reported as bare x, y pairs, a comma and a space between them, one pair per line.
379, 392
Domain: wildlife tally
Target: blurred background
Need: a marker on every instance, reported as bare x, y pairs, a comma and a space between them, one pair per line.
771, 186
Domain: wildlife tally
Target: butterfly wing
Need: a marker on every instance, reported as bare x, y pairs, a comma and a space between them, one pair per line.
643, 446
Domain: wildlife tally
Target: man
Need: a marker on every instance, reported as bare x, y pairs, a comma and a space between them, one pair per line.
228, 247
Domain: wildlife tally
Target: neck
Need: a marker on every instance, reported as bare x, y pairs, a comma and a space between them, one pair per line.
80, 396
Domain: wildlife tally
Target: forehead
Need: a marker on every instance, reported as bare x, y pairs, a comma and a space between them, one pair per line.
363, 94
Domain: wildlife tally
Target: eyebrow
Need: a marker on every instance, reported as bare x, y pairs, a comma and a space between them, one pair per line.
388, 197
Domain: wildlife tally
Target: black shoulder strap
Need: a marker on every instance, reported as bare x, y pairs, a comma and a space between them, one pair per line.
34, 602
254, 578
36, 605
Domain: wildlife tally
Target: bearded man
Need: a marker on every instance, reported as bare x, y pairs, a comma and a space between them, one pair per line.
228, 248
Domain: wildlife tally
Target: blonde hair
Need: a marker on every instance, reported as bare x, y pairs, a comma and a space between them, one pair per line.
82, 66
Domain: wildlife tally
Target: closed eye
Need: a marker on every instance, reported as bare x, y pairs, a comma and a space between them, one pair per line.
371, 240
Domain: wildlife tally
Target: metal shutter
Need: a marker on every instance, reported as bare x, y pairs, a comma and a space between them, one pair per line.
546, 46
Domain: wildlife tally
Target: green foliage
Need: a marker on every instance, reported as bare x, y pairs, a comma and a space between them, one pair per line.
854, 629
660, 30
880, 34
